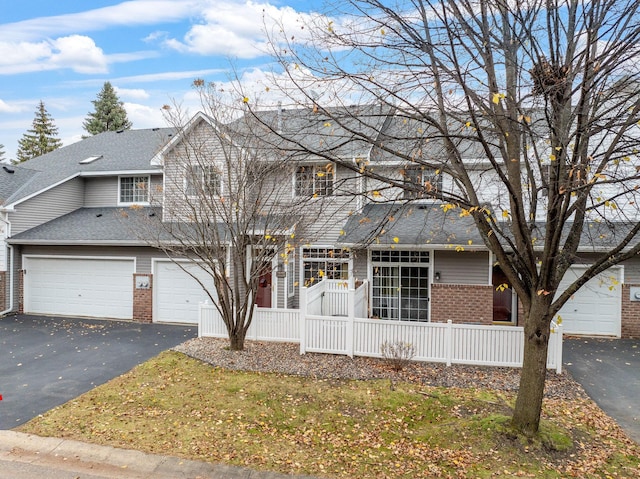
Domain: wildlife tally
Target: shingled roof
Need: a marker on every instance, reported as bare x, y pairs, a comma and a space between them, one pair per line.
128, 150
96, 226
409, 225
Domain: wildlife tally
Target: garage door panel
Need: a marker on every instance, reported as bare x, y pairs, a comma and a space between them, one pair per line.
595, 309
79, 287
177, 294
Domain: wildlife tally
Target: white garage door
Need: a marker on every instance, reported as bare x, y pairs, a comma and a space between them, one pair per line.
79, 287
596, 308
177, 294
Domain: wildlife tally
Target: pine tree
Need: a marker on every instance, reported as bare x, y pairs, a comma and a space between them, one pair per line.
109, 114
41, 138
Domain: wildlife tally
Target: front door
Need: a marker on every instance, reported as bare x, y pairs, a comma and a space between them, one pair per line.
401, 292
263, 295
503, 298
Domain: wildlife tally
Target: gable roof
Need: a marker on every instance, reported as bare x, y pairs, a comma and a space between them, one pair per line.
124, 151
199, 117
95, 226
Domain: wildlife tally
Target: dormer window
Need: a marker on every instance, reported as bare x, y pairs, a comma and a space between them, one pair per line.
134, 190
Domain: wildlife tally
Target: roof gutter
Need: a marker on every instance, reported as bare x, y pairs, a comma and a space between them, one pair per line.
76, 243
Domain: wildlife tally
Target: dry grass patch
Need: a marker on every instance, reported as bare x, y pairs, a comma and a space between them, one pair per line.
176, 405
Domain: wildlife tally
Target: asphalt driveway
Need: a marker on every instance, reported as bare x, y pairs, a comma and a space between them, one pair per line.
46, 361
609, 371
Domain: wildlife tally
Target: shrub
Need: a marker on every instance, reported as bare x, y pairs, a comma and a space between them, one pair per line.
397, 354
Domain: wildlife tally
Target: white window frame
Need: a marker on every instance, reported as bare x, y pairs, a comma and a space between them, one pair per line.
326, 260
291, 273
136, 180
404, 260
203, 175
420, 176
319, 181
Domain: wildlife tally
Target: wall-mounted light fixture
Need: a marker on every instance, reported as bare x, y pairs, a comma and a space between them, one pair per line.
437, 276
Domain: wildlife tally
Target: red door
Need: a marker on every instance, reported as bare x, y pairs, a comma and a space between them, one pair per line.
263, 296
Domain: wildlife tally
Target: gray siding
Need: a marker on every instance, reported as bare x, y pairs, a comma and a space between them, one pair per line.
632, 271
100, 192
49, 205
103, 191
322, 218
360, 269
465, 267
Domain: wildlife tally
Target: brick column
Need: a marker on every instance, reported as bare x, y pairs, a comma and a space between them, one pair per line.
142, 297
462, 303
630, 313
21, 291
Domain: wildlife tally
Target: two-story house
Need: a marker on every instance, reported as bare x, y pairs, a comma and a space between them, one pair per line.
75, 246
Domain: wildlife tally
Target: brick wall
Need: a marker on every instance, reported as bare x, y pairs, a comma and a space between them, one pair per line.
630, 314
462, 303
21, 291
143, 300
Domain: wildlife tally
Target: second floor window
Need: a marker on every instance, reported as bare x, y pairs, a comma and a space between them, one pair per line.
314, 180
205, 180
421, 182
134, 189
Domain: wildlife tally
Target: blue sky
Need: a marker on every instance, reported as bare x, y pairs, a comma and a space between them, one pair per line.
62, 52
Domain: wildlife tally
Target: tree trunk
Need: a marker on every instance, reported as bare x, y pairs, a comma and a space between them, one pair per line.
238, 332
236, 341
526, 416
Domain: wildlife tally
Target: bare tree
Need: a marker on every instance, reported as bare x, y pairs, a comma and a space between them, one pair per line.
540, 97
229, 206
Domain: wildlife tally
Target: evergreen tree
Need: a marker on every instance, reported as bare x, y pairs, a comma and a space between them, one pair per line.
2, 153
41, 138
109, 114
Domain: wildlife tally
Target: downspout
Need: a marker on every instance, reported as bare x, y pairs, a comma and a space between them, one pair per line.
10, 309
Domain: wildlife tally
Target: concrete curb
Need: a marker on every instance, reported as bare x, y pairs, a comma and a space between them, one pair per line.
107, 461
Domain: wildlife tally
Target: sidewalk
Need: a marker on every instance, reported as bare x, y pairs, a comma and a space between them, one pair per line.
26, 456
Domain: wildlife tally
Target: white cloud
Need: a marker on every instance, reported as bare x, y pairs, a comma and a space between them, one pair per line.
143, 116
238, 29
10, 107
135, 12
169, 76
133, 93
78, 53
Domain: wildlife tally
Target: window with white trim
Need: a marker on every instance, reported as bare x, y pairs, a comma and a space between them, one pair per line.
134, 189
329, 263
421, 182
291, 272
203, 179
400, 285
314, 180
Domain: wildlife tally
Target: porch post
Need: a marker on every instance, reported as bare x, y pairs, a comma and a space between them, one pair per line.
303, 319
351, 314
559, 345
448, 339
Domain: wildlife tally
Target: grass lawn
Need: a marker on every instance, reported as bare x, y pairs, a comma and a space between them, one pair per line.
180, 406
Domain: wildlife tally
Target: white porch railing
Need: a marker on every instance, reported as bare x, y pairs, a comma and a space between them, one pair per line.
268, 324
435, 342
